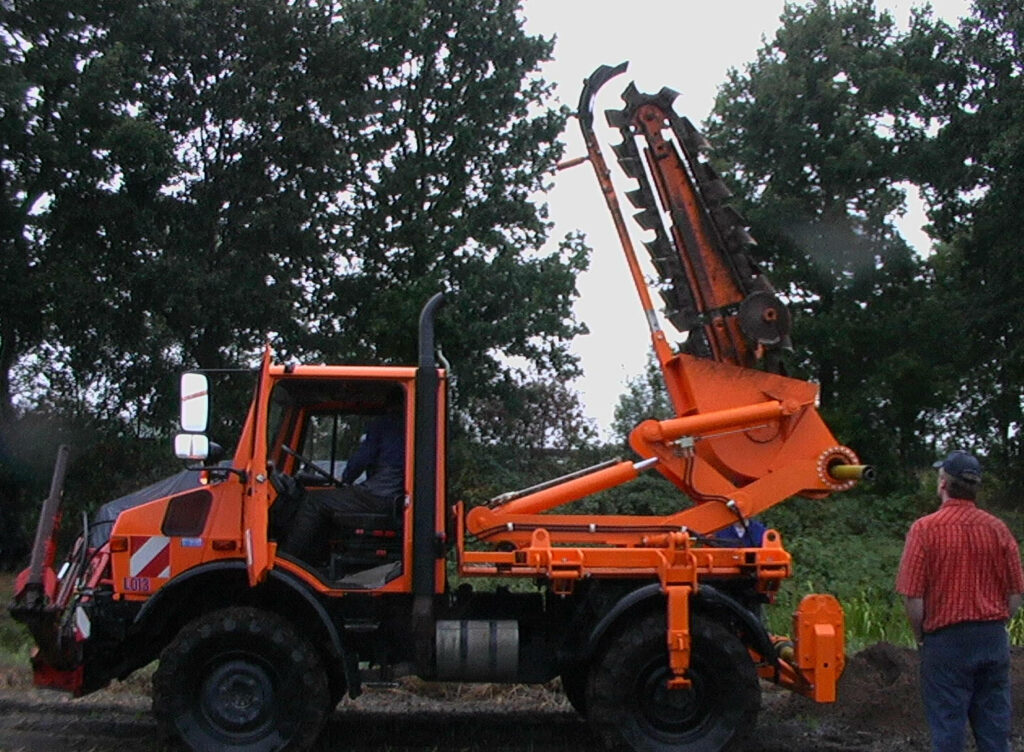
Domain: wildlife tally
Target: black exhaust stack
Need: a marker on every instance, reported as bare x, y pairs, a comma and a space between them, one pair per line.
426, 548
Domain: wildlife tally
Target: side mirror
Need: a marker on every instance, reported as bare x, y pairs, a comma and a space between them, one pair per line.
191, 446
195, 403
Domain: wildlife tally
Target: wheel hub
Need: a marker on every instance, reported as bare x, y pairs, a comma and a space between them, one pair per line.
671, 710
237, 696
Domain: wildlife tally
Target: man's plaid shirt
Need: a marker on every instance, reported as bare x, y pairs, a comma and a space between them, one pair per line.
963, 562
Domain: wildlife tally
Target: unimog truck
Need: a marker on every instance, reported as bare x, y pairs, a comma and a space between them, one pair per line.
652, 623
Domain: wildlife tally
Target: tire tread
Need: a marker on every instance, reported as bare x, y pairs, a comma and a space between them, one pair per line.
249, 624
612, 678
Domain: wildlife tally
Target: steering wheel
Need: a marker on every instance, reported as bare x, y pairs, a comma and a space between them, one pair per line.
304, 462
285, 485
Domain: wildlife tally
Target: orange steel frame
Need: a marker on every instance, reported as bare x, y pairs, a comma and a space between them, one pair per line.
760, 441
693, 450
703, 452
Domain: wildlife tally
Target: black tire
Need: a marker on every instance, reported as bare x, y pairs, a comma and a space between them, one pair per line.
241, 679
631, 706
574, 685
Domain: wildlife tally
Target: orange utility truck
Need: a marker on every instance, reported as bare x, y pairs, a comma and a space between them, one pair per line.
651, 622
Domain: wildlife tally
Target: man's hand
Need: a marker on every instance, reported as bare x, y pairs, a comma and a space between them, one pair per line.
915, 615
1014, 602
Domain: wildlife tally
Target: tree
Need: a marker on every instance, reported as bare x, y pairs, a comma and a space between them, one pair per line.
532, 430
645, 397
184, 180
56, 110
311, 170
971, 170
457, 148
811, 133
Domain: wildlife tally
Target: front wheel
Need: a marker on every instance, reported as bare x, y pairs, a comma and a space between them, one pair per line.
241, 679
630, 703
574, 685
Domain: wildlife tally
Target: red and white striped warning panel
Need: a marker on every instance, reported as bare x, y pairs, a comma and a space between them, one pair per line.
150, 556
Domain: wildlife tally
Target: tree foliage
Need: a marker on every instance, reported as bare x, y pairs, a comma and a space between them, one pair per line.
645, 397
813, 132
527, 433
56, 111
456, 148
311, 170
971, 173
183, 180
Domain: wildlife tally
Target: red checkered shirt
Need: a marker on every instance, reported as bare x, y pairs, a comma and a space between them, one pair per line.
963, 562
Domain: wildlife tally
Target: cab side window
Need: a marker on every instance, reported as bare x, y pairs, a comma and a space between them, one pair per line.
328, 439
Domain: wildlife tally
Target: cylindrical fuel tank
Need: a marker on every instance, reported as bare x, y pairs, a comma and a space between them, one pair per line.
477, 650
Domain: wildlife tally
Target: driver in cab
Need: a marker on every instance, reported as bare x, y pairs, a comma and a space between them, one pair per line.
381, 457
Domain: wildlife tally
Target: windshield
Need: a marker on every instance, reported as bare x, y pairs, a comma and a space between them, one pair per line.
325, 419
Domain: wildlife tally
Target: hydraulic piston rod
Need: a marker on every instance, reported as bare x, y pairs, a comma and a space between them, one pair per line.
746, 416
563, 493
852, 472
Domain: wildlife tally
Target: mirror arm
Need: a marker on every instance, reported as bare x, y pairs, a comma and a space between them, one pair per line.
242, 475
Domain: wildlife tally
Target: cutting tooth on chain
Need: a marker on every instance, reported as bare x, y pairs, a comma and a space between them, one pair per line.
649, 219
639, 198
711, 184
665, 260
625, 150
739, 239
632, 167
692, 139
665, 98
616, 118
632, 96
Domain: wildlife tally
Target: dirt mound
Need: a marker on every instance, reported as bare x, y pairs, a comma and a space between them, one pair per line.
880, 692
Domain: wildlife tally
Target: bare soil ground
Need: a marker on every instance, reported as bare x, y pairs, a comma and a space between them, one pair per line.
879, 711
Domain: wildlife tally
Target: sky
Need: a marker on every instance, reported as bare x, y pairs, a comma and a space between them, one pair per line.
688, 46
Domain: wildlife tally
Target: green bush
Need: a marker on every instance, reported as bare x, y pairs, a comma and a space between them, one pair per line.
850, 546
15, 642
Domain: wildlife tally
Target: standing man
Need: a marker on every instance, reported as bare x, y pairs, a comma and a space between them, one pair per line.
961, 581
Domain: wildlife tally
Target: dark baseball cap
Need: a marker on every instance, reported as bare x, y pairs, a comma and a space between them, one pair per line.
962, 465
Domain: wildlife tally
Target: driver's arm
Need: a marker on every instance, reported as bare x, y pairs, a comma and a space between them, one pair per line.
364, 455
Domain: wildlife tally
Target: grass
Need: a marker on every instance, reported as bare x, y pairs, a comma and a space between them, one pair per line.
15, 643
851, 547
872, 615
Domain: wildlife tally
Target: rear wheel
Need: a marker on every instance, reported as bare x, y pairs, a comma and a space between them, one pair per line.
241, 678
630, 704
